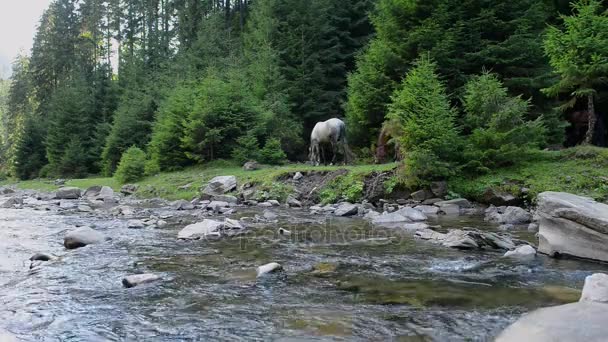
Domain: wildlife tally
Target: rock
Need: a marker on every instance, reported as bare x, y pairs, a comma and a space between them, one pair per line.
200, 230
515, 215
92, 191
415, 226
439, 189
431, 201
84, 208
216, 206
106, 193
522, 252
139, 279
41, 257
12, 203
68, 205
233, 224
427, 209
460, 202
595, 289
467, 239
274, 203
59, 182
268, 268
251, 166
129, 189
581, 321
6, 191
285, 232
226, 198
533, 227
450, 209
182, 205
135, 224
161, 223
68, 192
269, 215
457, 238
572, 225
346, 209
412, 214
298, 176
82, 237
498, 198
420, 195
265, 204
506, 227
220, 185
370, 215
292, 202
390, 218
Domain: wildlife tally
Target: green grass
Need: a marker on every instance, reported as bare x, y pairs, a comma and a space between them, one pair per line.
582, 170
167, 185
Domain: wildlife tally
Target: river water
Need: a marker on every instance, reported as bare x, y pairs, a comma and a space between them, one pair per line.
343, 280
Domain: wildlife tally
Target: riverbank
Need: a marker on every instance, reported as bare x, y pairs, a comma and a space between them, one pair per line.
581, 170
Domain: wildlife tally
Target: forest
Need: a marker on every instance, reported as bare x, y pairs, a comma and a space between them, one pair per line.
456, 86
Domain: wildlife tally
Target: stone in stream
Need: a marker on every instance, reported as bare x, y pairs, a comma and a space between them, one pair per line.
581, 321
12, 203
461, 202
427, 209
412, 214
6, 191
41, 257
390, 218
522, 252
182, 205
84, 208
82, 237
226, 198
139, 279
92, 191
68, 192
467, 239
265, 204
268, 268
294, 203
161, 223
200, 230
269, 215
274, 203
451, 209
283, 231
346, 209
106, 193
136, 224
220, 185
370, 215
572, 225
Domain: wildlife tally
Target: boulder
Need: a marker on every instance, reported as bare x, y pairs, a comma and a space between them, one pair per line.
467, 239
6, 191
129, 189
200, 230
370, 215
265, 204
139, 279
220, 185
346, 209
82, 237
421, 195
581, 321
41, 257
450, 209
298, 176
268, 268
498, 198
572, 225
522, 252
274, 203
251, 166
412, 214
460, 239
12, 203
92, 191
226, 198
270, 216
292, 202
233, 224
390, 218
84, 208
68, 192
162, 223
427, 209
106, 193
182, 205
515, 215
135, 224
460, 202
217, 205
439, 189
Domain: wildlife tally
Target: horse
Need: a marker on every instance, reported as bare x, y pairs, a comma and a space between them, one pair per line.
332, 132
387, 137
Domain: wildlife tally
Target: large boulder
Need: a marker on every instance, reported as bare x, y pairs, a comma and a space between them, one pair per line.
572, 225
82, 237
68, 192
220, 185
412, 214
582, 321
346, 209
11, 203
200, 230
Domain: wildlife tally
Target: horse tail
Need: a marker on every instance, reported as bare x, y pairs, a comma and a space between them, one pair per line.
348, 154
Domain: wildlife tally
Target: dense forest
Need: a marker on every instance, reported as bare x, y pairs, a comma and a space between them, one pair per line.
454, 85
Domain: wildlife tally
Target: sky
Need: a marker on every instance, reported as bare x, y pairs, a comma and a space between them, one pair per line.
18, 22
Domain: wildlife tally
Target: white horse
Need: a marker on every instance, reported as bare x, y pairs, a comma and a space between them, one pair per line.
332, 132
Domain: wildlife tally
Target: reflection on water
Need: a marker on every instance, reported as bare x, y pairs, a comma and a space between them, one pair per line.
343, 280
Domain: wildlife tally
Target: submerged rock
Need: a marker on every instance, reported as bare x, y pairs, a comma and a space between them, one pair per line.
220, 185
268, 268
467, 239
200, 230
508, 215
139, 279
522, 252
269, 215
136, 224
346, 209
82, 237
68, 192
41, 257
387, 218
572, 225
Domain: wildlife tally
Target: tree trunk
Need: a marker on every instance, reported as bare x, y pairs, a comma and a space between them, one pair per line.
592, 119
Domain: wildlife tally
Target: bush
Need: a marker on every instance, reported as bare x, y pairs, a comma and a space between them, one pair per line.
132, 165
248, 149
272, 153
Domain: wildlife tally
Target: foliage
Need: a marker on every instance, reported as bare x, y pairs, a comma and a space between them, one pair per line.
248, 149
429, 139
348, 187
272, 153
132, 165
499, 134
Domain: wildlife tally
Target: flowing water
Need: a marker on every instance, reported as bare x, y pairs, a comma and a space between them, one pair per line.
343, 280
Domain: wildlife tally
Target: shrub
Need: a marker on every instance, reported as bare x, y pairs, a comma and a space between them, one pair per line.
272, 153
248, 149
132, 165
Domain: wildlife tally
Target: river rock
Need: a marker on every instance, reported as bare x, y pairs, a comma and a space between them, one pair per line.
572, 225
129, 189
522, 252
84, 208
182, 205
82, 237
370, 215
268, 268
251, 166
292, 202
106, 193
92, 191
467, 239
515, 215
595, 289
421, 195
412, 214
269, 215
274, 203
41, 257
217, 205
498, 198
139, 279
135, 224
226, 198
162, 223
457, 238
460, 202
68, 192
387, 218
220, 185
346, 209
450, 209
12, 203
200, 230
427, 209
233, 224
265, 204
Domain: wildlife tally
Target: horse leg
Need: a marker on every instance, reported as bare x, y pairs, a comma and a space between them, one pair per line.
334, 150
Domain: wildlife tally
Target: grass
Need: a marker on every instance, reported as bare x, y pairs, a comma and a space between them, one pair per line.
170, 185
581, 170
